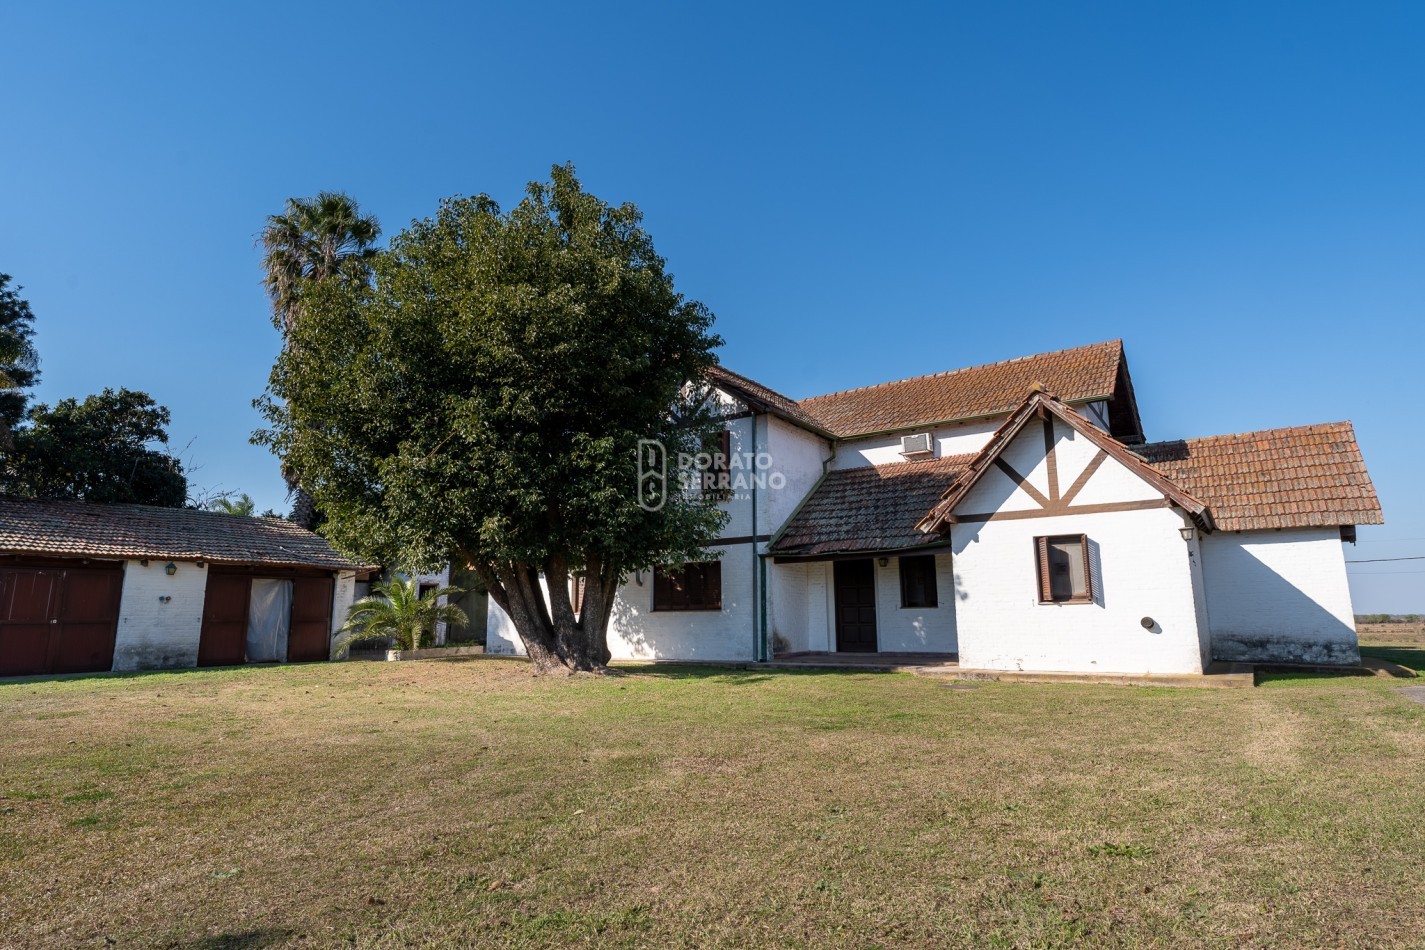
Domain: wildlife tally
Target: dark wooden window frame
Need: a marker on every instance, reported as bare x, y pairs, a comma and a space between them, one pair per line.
716, 476
696, 585
928, 582
1041, 562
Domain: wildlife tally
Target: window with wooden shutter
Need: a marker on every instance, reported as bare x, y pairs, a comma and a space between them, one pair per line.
1063, 570
693, 586
918, 581
716, 475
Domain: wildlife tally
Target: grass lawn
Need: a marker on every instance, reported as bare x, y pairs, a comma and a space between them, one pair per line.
465, 803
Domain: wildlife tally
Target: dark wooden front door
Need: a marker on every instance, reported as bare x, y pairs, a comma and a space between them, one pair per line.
310, 636
855, 606
223, 638
58, 619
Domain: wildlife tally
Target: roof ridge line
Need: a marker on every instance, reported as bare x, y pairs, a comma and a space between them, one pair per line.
1242, 435
962, 369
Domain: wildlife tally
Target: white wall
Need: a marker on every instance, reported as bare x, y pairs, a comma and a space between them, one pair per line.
1141, 568
798, 456
154, 635
637, 631
343, 596
1279, 596
914, 629
960, 439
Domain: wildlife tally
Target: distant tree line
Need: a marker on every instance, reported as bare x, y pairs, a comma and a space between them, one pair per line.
1390, 618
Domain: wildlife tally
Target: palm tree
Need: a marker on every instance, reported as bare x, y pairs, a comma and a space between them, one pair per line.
396, 609
316, 239
228, 505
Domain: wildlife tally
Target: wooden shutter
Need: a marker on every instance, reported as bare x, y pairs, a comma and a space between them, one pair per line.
1088, 566
1041, 554
712, 584
662, 589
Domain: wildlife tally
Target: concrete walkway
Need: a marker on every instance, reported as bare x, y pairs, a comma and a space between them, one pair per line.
1235, 676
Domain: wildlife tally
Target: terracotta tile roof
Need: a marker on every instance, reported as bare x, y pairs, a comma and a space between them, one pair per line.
74, 529
763, 399
873, 508
1308, 476
1083, 373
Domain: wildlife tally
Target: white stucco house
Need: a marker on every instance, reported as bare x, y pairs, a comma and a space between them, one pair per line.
1012, 514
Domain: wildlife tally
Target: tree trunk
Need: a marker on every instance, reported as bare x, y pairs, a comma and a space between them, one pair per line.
556, 640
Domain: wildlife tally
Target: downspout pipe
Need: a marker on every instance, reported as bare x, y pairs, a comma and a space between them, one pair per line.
757, 591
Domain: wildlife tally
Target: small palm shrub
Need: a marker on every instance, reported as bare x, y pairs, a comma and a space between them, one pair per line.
397, 611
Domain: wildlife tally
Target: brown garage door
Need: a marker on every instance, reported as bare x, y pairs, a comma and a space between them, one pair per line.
310, 637
222, 640
56, 618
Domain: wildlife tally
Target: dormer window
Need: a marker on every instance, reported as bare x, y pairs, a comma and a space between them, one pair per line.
917, 446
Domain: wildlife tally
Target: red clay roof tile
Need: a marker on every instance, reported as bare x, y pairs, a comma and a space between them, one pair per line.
77, 529
1307, 476
1074, 375
872, 508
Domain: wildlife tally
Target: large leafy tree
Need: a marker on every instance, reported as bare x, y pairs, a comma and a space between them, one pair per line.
314, 240
19, 363
487, 394
105, 448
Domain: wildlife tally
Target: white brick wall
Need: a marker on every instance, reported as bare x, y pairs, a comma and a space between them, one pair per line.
913, 629
1279, 596
1142, 569
636, 631
154, 635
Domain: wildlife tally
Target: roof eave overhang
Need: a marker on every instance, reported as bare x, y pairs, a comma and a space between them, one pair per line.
185, 558
857, 554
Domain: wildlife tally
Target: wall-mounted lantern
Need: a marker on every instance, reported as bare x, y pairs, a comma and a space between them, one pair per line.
170, 569
1186, 532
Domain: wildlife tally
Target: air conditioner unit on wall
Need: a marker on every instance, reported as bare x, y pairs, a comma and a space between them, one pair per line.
914, 446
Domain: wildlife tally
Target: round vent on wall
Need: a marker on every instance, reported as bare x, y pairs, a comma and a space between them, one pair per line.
1148, 623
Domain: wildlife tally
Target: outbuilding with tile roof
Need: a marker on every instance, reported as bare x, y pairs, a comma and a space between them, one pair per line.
92, 588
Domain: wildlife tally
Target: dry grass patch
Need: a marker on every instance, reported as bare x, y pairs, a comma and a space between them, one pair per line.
464, 803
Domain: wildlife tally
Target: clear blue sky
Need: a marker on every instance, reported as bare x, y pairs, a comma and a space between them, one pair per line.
860, 193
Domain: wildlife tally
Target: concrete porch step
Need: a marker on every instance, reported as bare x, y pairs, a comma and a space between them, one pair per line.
1235, 676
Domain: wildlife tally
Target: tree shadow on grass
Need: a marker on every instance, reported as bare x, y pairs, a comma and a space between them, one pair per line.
243, 939
734, 675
